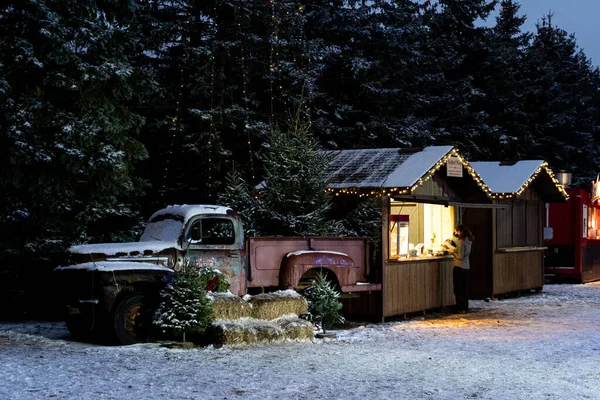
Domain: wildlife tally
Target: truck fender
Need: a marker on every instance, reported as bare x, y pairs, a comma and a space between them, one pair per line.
297, 264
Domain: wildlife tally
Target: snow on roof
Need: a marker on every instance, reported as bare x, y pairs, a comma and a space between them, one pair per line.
382, 168
111, 249
115, 266
416, 166
506, 178
186, 211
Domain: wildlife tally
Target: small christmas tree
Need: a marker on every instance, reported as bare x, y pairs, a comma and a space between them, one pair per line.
292, 199
323, 303
185, 308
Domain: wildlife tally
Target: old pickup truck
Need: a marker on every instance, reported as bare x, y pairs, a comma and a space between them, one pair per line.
111, 290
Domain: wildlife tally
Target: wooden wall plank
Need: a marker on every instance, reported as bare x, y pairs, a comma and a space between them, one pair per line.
518, 271
416, 286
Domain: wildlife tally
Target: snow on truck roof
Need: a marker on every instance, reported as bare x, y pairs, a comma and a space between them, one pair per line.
186, 211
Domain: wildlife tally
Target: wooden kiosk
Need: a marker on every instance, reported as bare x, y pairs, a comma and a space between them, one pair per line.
508, 250
422, 192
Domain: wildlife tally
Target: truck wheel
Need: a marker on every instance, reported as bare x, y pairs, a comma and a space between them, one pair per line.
132, 320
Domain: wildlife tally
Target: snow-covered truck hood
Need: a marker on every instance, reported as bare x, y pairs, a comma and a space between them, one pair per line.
159, 253
145, 248
115, 266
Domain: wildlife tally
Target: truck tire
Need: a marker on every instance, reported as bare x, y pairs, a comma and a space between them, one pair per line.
132, 320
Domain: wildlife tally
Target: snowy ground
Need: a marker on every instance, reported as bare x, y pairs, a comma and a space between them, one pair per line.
541, 346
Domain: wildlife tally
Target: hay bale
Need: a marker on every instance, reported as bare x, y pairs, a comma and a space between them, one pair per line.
249, 330
226, 306
244, 331
269, 306
228, 333
296, 328
267, 332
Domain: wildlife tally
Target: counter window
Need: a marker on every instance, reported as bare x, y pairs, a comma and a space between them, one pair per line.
592, 218
417, 229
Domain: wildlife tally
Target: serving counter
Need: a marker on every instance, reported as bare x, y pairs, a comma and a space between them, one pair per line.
416, 284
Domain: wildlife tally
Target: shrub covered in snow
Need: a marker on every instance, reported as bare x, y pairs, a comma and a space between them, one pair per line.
323, 303
185, 308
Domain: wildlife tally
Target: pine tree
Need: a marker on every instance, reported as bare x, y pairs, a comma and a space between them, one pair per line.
323, 303
458, 48
501, 78
292, 199
176, 40
562, 102
240, 196
365, 65
69, 137
185, 308
69, 142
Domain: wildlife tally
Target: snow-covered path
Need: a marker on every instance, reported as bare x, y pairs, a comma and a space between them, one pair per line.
542, 346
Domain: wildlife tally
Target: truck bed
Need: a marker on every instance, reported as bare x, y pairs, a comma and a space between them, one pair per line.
265, 255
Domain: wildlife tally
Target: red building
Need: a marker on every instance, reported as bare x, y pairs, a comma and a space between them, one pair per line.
572, 236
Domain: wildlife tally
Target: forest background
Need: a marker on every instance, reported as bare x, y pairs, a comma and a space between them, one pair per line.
111, 109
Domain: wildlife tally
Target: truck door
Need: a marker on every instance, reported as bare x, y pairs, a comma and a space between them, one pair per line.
214, 243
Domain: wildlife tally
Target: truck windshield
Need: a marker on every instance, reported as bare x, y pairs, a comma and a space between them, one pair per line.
165, 228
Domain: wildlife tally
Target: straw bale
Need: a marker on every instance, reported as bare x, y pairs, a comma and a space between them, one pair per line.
245, 331
250, 330
296, 328
234, 334
229, 307
266, 332
269, 306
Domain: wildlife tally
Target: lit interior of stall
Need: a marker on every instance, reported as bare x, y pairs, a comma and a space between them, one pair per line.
419, 229
593, 221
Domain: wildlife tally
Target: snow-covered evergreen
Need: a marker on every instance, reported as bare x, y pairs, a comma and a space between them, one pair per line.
184, 307
292, 199
324, 306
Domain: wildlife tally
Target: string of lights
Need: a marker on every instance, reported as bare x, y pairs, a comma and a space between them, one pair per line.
244, 92
277, 62
211, 133
453, 153
176, 118
305, 55
271, 65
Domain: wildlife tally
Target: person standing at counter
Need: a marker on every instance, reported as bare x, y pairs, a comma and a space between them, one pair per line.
460, 272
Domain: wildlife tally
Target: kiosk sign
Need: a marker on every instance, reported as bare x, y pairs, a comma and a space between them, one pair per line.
454, 167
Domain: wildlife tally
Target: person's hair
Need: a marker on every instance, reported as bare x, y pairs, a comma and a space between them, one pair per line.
464, 232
